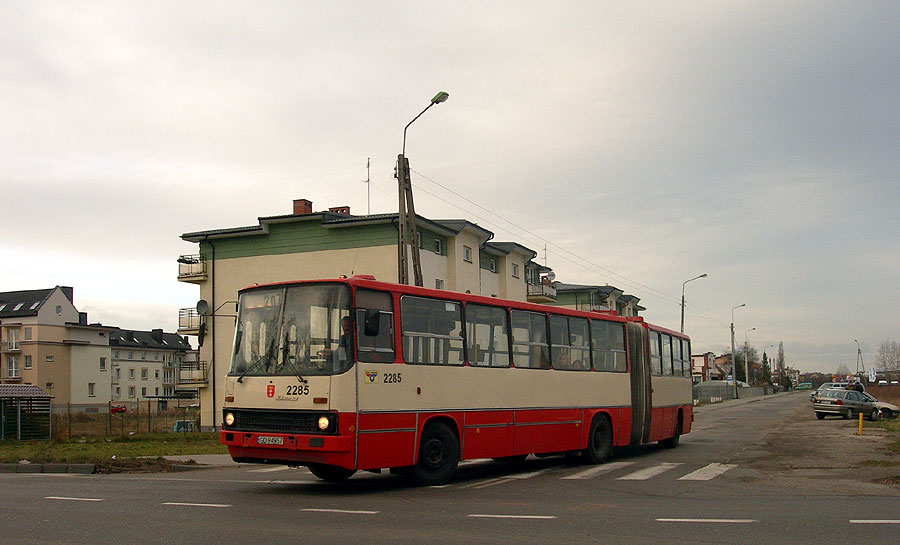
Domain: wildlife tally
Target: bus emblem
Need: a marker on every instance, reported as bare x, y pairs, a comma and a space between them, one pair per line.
372, 376
270, 390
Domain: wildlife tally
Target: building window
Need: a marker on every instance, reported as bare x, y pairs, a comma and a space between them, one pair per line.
12, 367
48, 358
27, 362
467, 254
143, 355
118, 373
144, 373
419, 239
116, 354
27, 333
438, 284
130, 355
118, 392
156, 373
438, 247
493, 265
103, 364
515, 270
156, 390
131, 373
91, 389
131, 391
144, 391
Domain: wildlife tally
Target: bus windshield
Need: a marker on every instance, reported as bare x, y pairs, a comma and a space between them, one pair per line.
293, 330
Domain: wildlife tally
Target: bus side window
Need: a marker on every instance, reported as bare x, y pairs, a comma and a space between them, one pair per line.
374, 326
655, 359
530, 348
487, 336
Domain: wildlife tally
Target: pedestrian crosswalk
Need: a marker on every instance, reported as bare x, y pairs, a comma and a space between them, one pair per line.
618, 470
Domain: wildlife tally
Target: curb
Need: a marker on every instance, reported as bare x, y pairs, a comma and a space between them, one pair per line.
80, 469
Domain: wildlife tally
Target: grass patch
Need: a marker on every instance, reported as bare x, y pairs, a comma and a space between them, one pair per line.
130, 453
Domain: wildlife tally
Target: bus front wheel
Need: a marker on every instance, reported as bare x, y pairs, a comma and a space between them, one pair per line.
600, 441
438, 456
329, 473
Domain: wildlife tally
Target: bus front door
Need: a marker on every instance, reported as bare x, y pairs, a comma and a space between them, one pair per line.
641, 394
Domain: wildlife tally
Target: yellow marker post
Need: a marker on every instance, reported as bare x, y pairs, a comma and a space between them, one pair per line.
860, 424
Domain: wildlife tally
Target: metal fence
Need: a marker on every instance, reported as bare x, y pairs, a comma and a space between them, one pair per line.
136, 418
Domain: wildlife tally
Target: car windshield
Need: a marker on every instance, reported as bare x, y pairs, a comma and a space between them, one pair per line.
293, 330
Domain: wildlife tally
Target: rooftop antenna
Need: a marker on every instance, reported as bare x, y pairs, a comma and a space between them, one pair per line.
368, 182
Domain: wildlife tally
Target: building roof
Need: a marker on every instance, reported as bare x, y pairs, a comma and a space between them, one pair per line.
509, 247
155, 339
19, 304
27, 391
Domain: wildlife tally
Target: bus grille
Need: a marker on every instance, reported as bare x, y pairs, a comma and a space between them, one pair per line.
256, 420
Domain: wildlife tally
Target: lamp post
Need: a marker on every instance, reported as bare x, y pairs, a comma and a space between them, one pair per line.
747, 349
682, 297
733, 359
858, 355
407, 211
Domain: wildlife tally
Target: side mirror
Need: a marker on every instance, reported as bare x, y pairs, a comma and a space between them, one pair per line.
373, 323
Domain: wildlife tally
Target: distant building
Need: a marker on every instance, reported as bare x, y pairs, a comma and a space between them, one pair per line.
703, 368
596, 298
145, 365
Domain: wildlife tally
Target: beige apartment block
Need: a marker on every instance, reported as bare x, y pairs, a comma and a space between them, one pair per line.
456, 255
145, 366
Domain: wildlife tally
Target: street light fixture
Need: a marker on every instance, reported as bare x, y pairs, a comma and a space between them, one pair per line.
733, 360
407, 211
682, 297
858, 356
747, 349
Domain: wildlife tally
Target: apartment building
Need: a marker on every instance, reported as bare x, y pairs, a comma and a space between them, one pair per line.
46, 342
456, 255
145, 365
596, 298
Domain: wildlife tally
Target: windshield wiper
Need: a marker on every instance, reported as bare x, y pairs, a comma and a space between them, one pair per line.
285, 358
265, 357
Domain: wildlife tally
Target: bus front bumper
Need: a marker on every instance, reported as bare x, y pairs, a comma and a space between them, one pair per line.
299, 449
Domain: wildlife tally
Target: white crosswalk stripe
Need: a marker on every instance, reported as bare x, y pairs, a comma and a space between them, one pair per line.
708, 472
599, 470
649, 472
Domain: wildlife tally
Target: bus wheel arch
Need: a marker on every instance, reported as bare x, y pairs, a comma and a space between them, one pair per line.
438, 453
600, 440
672, 442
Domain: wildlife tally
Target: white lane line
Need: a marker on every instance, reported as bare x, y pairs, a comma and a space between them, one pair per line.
529, 517
708, 472
886, 521
594, 471
269, 469
645, 474
710, 521
492, 483
340, 511
71, 499
182, 504
527, 475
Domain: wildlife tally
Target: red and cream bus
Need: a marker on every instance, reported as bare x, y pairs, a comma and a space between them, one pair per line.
354, 374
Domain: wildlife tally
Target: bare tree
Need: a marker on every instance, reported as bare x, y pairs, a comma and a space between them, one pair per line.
843, 370
888, 357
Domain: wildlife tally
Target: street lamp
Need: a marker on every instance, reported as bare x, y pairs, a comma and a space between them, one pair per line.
858, 356
682, 297
407, 211
747, 349
733, 360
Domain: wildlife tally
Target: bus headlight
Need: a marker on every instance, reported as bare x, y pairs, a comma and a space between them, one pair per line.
324, 422
229, 419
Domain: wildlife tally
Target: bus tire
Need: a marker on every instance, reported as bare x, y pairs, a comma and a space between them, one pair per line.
672, 442
331, 474
438, 456
600, 440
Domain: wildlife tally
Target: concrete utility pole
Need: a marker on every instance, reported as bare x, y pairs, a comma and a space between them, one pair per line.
733, 359
682, 297
407, 210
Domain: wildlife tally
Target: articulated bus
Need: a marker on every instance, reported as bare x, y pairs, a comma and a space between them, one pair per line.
354, 374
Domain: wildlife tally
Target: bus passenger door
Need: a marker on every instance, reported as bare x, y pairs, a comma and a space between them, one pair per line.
641, 396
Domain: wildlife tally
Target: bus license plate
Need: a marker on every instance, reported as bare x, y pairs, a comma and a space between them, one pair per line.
268, 440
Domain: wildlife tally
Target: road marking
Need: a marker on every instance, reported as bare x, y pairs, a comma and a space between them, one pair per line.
527, 475
887, 521
708, 472
181, 504
710, 521
531, 517
340, 511
605, 468
269, 469
645, 474
492, 482
72, 499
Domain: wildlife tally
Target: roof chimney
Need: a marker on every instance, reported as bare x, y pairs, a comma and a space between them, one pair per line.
302, 206
345, 210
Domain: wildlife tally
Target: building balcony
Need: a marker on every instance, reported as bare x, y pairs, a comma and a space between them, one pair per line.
192, 374
541, 293
10, 346
188, 321
192, 268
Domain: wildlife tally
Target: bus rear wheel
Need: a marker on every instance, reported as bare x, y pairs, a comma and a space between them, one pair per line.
672, 442
600, 439
331, 474
438, 456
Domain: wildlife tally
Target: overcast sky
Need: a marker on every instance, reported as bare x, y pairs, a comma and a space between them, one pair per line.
642, 143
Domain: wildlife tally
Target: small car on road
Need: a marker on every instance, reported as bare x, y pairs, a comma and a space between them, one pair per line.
847, 403
824, 386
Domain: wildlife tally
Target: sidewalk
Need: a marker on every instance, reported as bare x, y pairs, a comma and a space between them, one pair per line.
740, 401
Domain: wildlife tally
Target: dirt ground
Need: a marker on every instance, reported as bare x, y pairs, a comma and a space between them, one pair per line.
829, 455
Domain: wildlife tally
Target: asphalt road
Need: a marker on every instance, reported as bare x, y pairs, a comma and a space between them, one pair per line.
716, 487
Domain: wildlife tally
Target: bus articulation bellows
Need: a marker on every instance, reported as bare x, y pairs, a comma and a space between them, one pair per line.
354, 374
